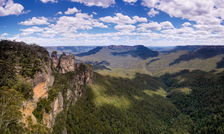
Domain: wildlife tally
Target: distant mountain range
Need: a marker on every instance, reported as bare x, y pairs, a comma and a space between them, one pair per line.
69, 49
152, 60
135, 51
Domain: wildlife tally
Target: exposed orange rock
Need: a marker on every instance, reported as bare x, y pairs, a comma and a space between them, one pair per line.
46, 119
40, 91
27, 111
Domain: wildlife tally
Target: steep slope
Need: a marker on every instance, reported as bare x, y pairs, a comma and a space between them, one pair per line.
122, 105
203, 53
187, 48
145, 104
43, 84
31, 76
207, 58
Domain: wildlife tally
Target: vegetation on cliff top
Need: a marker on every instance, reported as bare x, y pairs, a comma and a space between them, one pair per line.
18, 61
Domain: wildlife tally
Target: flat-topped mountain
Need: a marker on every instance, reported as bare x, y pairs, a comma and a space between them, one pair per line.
188, 47
202, 53
138, 51
122, 47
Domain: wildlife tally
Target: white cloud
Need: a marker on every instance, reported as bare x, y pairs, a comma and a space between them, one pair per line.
116, 38
98, 24
202, 12
125, 28
99, 3
183, 30
72, 10
66, 26
147, 27
94, 13
4, 34
152, 12
31, 30
58, 13
211, 28
166, 24
122, 19
36, 21
130, 1
8, 7
186, 24
52, 1
48, 32
150, 3
139, 19
144, 27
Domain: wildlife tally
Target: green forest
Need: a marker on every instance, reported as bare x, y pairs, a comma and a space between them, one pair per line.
185, 102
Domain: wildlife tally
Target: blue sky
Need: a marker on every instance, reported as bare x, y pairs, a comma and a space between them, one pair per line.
113, 22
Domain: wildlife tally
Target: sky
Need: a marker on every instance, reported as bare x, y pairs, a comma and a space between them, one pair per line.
113, 22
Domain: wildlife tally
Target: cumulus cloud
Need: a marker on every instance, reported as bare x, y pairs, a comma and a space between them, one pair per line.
125, 28
166, 24
144, 27
65, 26
52, 1
130, 1
208, 12
211, 28
99, 3
122, 19
8, 7
4, 34
36, 21
147, 27
94, 13
31, 30
186, 24
72, 10
58, 13
184, 30
139, 19
149, 3
152, 12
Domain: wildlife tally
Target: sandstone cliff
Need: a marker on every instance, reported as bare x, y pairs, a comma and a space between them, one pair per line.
43, 81
40, 84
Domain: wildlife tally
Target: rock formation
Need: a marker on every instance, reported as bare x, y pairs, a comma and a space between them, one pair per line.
67, 63
42, 81
54, 58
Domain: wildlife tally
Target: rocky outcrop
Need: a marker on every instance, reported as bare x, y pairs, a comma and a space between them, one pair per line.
43, 80
40, 84
54, 59
67, 63
56, 108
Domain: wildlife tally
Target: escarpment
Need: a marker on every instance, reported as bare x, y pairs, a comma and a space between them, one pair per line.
49, 85
69, 84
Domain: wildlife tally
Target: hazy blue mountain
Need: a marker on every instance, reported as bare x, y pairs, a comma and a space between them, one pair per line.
69, 49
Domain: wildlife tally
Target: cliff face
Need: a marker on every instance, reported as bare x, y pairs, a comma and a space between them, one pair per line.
40, 84
43, 81
54, 59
